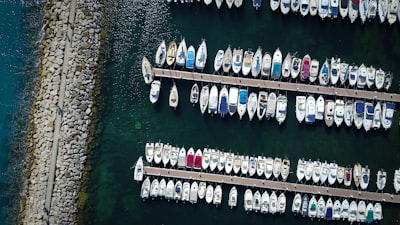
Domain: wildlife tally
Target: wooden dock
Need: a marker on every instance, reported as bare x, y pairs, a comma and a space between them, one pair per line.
278, 85
269, 184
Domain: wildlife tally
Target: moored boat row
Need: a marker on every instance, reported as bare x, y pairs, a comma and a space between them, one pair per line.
219, 3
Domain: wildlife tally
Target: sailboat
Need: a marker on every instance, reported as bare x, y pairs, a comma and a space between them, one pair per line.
233, 100
276, 64
387, 114
281, 109
271, 106
323, 77
256, 63
247, 59
262, 104
181, 53
173, 97
227, 60
171, 53
237, 60
314, 69
266, 65
148, 76
218, 60
320, 105
310, 110
161, 54
213, 100
300, 108
252, 105
204, 95
339, 112
242, 102
223, 101
368, 116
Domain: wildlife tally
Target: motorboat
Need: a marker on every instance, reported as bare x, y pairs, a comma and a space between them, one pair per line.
329, 209
295, 68
167, 148
207, 2
392, 11
396, 180
264, 202
300, 108
173, 97
364, 181
218, 3
313, 7
238, 3
387, 114
198, 160
362, 76
252, 105
256, 201
178, 191
295, 6
169, 191
242, 102
357, 173
381, 179
352, 212
194, 189
379, 76
305, 68
161, 54
256, 63
148, 75
353, 10
359, 108
333, 8
329, 112
304, 205
194, 94
324, 172
296, 205
204, 96
257, 4
248, 200
232, 201
344, 67
190, 158
382, 10
229, 163
237, 164
202, 190
266, 65
347, 176
274, 4
138, 171
353, 75
163, 188
276, 170
323, 8
217, 198
376, 121
269, 165
314, 69
174, 155
320, 105
227, 60
157, 154
214, 159
205, 160
262, 104
323, 77
371, 74
312, 207
281, 109
363, 10
233, 100
145, 190
361, 211
285, 170
261, 160
368, 116
237, 60
149, 152
344, 210
370, 213
340, 174
337, 205
285, 6
155, 91
244, 167
222, 161
344, 8
229, 3
247, 62
335, 68
388, 80
223, 101
348, 113
281, 203
316, 174
209, 194
276, 65
190, 57
378, 211
185, 192
304, 7
286, 65
309, 170
271, 106
310, 110
182, 158
339, 112
321, 208
218, 60
273, 203
213, 100
171, 53
301, 169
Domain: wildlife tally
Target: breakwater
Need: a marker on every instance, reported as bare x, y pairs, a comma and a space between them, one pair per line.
61, 112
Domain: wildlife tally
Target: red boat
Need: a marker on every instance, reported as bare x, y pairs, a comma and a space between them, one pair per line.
197, 159
190, 158
305, 68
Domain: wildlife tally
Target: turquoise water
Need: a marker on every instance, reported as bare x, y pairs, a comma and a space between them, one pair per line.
129, 120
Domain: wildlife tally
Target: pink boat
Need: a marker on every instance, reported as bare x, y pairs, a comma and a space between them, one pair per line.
305, 68
197, 159
190, 158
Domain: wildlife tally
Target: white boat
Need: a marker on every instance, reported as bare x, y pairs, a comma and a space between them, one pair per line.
301, 169
300, 108
161, 54
256, 63
229, 3
361, 211
396, 180
286, 66
266, 65
364, 181
276, 65
238, 3
163, 188
285, 170
256, 201
378, 211
242, 102
173, 158
204, 96
352, 212
155, 91
370, 75
194, 189
353, 75
358, 110
370, 213
368, 116
281, 109
353, 10
218, 60
207, 2
309, 170
328, 209
205, 159
227, 60
248, 200
171, 53
304, 7
232, 201
244, 167
173, 97
273, 203
329, 112
185, 192
214, 159
229, 163
167, 148
344, 8
362, 76
271, 106
261, 160
379, 77
321, 208
218, 3
323, 77
333, 8
138, 170
182, 158
262, 104
381, 179
274, 4
237, 60
222, 161
296, 205
324, 172
388, 80
387, 114
348, 113
157, 156
357, 174
344, 70
145, 190
149, 152
347, 176
320, 105
316, 174
217, 195
269, 165
310, 110
332, 173
281, 203
233, 100
295, 67
339, 112
213, 100
194, 94
178, 190
148, 75
247, 62
363, 10
276, 170
335, 70
223, 101
202, 190
344, 210
252, 105
337, 205
312, 207
264, 202
181, 53
323, 8
209, 194
340, 174
237, 164
295, 6
314, 69
376, 121
382, 10
285, 6
169, 191
304, 205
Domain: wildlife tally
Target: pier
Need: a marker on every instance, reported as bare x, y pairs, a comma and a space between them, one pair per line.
278, 85
269, 184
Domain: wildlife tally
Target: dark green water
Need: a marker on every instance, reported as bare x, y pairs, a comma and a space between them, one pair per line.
129, 120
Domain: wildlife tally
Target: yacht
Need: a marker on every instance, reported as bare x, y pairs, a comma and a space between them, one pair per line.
252, 105
285, 170
218, 60
213, 100
163, 188
364, 181
353, 10
382, 10
281, 203
310, 110
173, 97
190, 57
376, 121
271, 106
276, 65
237, 164
248, 200
316, 175
194, 94
273, 203
161, 54
274, 4
304, 205
244, 167
262, 104
340, 174
361, 211
323, 8
347, 176
295, 68
335, 69
204, 96
285, 6
266, 65
261, 163
301, 168
264, 202
237, 60
158, 152
358, 110
222, 161
217, 195
313, 7
329, 112
190, 158
296, 205
269, 165
362, 76
324, 172
276, 170
333, 8
185, 192
352, 212
145, 191
182, 158
194, 189
205, 160
387, 114
178, 191
323, 77
344, 69
348, 113
357, 173
169, 191
396, 180
305, 68
337, 205
247, 59
381, 179
242, 102
312, 207
148, 76
173, 158
300, 108
328, 209
392, 11
320, 105
371, 75
155, 91
223, 101
227, 60
368, 116
209, 194
198, 160
339, 112
281, 108
167, 148
309, 170
314, 69
344, 8
344, 210
229, 163
233, 100
171, 53
353, 75
256, 201
379, 77
232, 202
321, 208
304, 7
149, 151
202, 190
378, 211
252, 166
286, 66
214, 159
138, 172
256, 63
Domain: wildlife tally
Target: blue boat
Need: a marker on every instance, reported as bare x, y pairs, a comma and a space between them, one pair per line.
359, 113
276, 70
190, 58
223, 102
257, 4
243, 95
334, 8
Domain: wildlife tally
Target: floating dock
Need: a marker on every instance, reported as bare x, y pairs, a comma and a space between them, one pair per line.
269, 184
278, 85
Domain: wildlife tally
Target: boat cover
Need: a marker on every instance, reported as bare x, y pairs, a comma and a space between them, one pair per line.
223, 106
311, 118
276, 72
256, 3
390, 105
243, 96
370, 216
190, 60
328, 214
360, 107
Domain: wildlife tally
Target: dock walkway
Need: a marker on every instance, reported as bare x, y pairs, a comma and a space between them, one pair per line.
276, 185
278, 85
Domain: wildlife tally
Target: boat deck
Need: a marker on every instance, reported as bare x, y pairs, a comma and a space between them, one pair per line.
278, 85
276, 185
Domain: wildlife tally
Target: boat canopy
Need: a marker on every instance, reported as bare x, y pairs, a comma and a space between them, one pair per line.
370, 216
276, 72
243, 94
360, 107
222, 107
328, 214
390, 105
